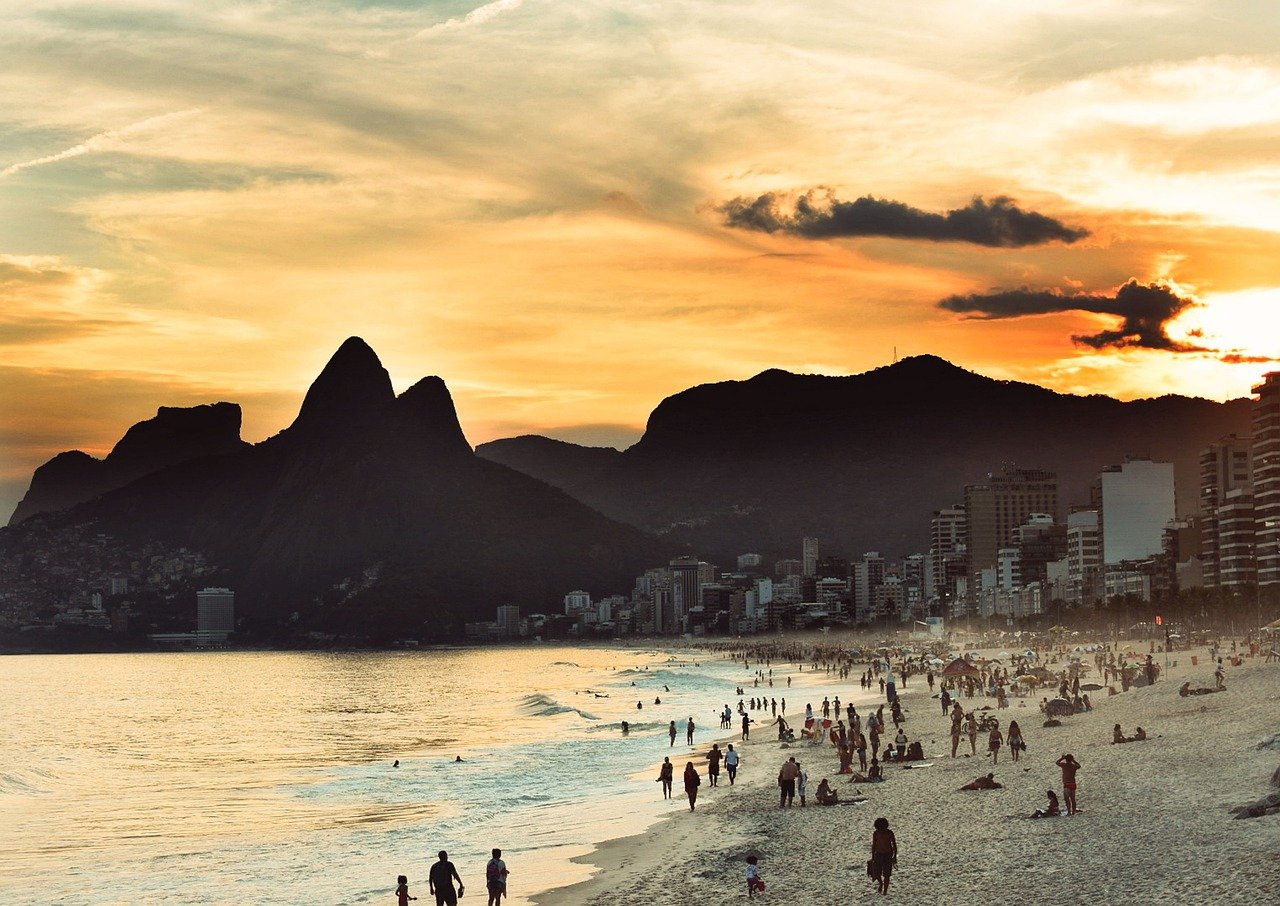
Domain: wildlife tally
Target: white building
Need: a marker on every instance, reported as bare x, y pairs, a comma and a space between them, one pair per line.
1084, 556
749, 561
1137, 504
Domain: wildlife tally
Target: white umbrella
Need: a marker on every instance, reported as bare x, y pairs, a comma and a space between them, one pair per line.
1003, 654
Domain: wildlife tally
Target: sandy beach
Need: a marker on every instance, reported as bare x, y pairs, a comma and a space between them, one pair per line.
1155, 824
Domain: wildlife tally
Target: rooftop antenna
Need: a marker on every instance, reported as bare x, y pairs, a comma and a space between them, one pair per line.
895, 355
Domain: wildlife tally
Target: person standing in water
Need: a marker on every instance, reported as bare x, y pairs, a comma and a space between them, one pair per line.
672, 731
691, 783
688, 731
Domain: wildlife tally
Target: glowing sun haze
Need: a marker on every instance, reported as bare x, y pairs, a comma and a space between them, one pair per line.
569, 209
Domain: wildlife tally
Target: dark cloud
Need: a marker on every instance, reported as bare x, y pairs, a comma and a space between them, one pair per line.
1144, 310
998, 223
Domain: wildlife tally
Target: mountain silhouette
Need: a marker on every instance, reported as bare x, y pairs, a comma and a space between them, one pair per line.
175, 435
382, 494
859, 462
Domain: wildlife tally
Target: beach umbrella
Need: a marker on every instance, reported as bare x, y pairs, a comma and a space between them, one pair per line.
1274, 624
1027, 680
1091, 687
1003, 654
1059, 707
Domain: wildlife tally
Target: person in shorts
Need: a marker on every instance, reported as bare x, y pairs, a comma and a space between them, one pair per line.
884, 854
440, 881
495, 878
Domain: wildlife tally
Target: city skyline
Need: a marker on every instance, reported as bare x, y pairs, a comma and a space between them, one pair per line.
572, 211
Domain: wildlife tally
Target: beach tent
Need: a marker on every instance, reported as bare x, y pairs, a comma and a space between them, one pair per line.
959, 667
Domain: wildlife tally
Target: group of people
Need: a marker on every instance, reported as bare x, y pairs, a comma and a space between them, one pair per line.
728, 757
443, 874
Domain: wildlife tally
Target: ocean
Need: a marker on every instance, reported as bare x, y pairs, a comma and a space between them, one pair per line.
266, 777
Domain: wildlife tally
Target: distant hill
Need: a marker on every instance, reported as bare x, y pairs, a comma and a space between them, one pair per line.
175, 435
385, 492
859, 462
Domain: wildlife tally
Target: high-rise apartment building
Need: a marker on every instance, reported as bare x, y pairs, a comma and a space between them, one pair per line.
1227, 513
946, 543
508, 621
995, 507
809, 556
868, 579
1084, 557
1137, 504
748, 561
686, 586
1266, 478
576, 602
215, 615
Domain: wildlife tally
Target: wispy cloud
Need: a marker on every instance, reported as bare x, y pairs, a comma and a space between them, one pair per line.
103, 141
477, 16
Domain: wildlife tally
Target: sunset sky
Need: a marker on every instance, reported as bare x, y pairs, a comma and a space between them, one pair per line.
569, 209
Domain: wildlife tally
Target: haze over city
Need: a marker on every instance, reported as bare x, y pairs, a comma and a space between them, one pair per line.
572, 210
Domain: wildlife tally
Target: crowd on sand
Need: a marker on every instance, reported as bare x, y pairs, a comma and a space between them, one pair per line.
845, 746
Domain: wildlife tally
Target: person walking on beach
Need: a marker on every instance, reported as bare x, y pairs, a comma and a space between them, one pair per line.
691, 783
860, 746
713, 763
731, 759
787, 782
672, 731
802, 783
884, 854
1015, 739
440, 881
688, 731
495, 878
666, 775
994, 742
402, 891
1069, 767
971, 728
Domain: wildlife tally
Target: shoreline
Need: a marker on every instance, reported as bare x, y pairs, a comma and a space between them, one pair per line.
1154, 824
632, 855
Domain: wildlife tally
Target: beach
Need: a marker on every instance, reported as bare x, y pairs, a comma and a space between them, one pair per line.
1155, 822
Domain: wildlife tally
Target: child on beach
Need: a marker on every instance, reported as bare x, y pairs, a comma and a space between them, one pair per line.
753, 877
402, 891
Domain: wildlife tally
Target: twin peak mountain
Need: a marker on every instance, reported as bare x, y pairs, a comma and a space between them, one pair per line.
365, 479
